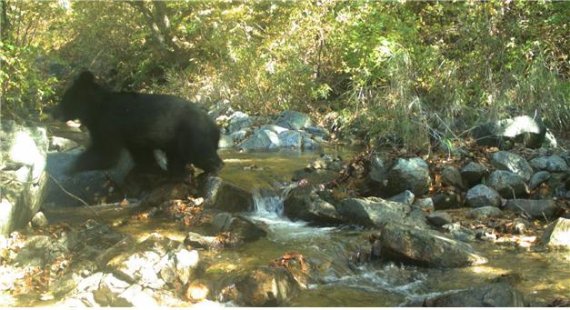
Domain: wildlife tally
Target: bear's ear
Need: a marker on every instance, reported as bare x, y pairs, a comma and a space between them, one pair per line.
86, 77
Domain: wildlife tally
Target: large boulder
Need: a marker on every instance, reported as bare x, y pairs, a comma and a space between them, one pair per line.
409, 174
553, 163
262, 139
374, 212
303, 203
226, 196
426, 247
507, 184
22, 170
512, 162
481, 195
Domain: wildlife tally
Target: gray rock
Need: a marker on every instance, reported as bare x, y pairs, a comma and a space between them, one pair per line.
107, 294
275, 128
293, 120
507, 184
290, 139
409, 174
309, 144
378, 169
512, 162
23, 152
552, 163
262, 139
318, 131
406, 197
439, 218
226, 196
538, 178
484, 212
451, 176
556, 234
535, 209
240, 228
238, 121
89, 186
482, 195
239, 135
302, 203
373, 211
473, 173
491, 295
425, 247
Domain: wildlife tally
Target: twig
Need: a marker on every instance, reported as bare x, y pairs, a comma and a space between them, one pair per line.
73, 196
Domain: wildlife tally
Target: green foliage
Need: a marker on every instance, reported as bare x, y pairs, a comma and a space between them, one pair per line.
415, 72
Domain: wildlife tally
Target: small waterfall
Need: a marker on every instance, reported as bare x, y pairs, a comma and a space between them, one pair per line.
268, 209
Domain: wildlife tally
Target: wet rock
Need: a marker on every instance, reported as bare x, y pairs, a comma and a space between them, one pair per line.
406, 197
373, 211
197, 241
265, 286
241, 228
446, 200
240, 135
439, 218
451, 176
512, 162
226, 196
409, 174
492, 295
426, 247
557, 234
303, 203
507, 184
262, 139
538, 178
309, 144
23, 152
553, 163
482, 195
535, 209
473, 173
484, 212
293, 120
290, 139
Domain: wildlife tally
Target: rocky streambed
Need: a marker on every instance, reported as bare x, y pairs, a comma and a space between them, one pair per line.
337, 227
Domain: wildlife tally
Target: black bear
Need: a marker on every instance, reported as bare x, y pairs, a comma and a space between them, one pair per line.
141, 123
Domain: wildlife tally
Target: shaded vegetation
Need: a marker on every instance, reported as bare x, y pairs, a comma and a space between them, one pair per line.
413, 72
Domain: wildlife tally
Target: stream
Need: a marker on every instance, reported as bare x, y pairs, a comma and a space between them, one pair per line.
541, 276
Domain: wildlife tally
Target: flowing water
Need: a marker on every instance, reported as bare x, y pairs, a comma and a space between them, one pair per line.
541, 276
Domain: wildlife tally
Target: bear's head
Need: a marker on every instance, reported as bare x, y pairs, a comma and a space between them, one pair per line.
79, 100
